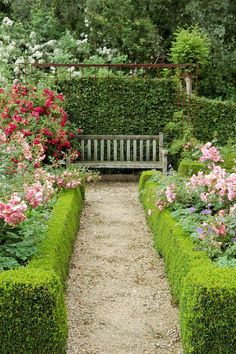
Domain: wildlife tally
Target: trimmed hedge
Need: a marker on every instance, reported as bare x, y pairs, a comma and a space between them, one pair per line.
32, 308
212, 119
188, 167
205, 292
120, 105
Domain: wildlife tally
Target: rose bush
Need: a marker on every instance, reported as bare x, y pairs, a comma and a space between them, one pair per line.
38, 114
205, 205
35, 140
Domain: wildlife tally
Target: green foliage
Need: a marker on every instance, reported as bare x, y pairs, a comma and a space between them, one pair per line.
207, 311
207, 294
145, 176
120, 105
117, 26
190, 46
180, 138
188, 167
18, 244
229, 156
213, 119
32, 308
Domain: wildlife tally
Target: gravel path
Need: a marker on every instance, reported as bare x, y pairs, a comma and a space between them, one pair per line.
118, 299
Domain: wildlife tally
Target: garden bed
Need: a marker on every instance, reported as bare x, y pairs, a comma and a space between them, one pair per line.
32, 309
206, 293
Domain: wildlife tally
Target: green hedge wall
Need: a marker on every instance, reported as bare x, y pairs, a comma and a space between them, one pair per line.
205, 292
213, 119
120, 105
32, 308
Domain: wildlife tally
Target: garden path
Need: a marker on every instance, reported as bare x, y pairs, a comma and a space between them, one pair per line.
118, 299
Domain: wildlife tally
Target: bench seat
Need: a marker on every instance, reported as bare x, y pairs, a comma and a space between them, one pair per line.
123, 151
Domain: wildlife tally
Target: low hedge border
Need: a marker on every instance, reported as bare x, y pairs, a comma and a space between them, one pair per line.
32, 308
206, 293
188, 167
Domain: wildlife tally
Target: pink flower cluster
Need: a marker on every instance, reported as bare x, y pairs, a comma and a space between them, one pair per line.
34, 194
167, 197
13, 211
170, 195
67, 180
218, 182
210, 153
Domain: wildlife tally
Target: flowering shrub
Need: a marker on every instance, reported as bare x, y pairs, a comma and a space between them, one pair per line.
39, 116
35, 140
205, 205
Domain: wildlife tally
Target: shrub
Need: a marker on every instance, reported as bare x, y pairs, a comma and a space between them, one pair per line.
32, 308
190, 45
145, 176
188, 167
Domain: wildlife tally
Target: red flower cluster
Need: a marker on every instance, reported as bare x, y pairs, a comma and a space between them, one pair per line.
37, 114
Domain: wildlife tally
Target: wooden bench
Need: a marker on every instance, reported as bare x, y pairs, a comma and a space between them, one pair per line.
123, 151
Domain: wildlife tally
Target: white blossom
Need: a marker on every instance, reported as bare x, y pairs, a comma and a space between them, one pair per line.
7, 22
32, 35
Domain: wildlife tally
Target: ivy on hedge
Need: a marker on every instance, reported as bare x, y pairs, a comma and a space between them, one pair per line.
32, 308
120, 105
205, 292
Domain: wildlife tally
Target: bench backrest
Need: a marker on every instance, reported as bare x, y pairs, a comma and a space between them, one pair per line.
121, 147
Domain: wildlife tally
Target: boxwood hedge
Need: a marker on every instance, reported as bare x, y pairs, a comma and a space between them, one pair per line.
32, 309
206, 293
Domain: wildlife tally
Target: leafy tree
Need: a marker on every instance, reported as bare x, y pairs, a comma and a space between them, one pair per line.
190, 45
114, 23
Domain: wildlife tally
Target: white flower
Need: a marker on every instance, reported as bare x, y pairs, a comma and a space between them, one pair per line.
32, 35
86, 22
7, 22
36, 48
20, 60
38, 54
71, 69
52, 42
76, 74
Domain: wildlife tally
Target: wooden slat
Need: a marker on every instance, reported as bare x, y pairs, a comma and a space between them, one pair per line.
124, 164
128, 150
148, 150
154, 150
102, 150
82, 150
121, 150
108, 150
89, 150
160, 147
115, 150
95, 150
141, 150
134, 150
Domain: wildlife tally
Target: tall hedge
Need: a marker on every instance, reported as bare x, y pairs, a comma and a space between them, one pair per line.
124, 105
120, 105
212, 119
